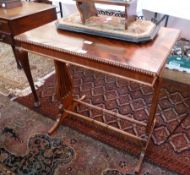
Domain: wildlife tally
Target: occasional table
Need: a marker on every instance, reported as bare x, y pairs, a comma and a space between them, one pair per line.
141, 63
17, 20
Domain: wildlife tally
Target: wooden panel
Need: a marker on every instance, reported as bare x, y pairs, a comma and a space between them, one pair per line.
91, 64
27, 8
6, 38
32, 21
4, 27
17, 20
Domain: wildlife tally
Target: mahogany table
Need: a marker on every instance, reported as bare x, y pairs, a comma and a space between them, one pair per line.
17, 20
142, 63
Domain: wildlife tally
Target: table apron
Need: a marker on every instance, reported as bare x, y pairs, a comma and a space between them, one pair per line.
112, 70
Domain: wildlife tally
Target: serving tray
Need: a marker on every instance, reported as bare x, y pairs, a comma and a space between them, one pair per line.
110, 27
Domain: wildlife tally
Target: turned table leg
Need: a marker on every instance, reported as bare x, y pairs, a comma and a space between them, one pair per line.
150, 123
23, 59
154, 105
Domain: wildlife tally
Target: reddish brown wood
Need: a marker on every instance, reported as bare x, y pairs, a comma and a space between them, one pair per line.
105, 111
67, 104
16, 55
138, 62
63, 93
17, 20
63, 81
144, 149
154, 105
142, 62
23, 58
130, 137
61, 115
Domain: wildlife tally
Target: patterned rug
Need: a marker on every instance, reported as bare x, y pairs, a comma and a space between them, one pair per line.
43, 157
132, 100
5, 171
13, 80
25, 148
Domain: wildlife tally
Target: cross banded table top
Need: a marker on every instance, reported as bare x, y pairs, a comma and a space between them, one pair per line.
147, 58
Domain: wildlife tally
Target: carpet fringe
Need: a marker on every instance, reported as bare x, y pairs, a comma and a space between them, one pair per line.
15, 93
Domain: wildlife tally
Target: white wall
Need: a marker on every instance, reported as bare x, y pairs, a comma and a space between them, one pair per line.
174, 22
179, 12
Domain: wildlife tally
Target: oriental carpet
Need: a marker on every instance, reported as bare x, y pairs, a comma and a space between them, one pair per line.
132, 100
26, 149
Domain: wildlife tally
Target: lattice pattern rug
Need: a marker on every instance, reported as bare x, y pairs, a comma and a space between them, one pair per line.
133, 100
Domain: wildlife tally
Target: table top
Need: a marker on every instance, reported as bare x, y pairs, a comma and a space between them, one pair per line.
26, 9
148, 58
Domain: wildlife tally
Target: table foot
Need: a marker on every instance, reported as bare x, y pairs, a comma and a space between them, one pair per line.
143, 152
19, 66
140, 161
62, 114
56, 124
37, 104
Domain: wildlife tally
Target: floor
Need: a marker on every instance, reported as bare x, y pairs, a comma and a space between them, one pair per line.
90, 157
181, 77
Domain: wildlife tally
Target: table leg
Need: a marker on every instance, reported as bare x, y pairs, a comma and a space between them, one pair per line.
16, 57
63, 80
154, 105
23, 59
143, 151
150, 123
63, 92
60, 117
